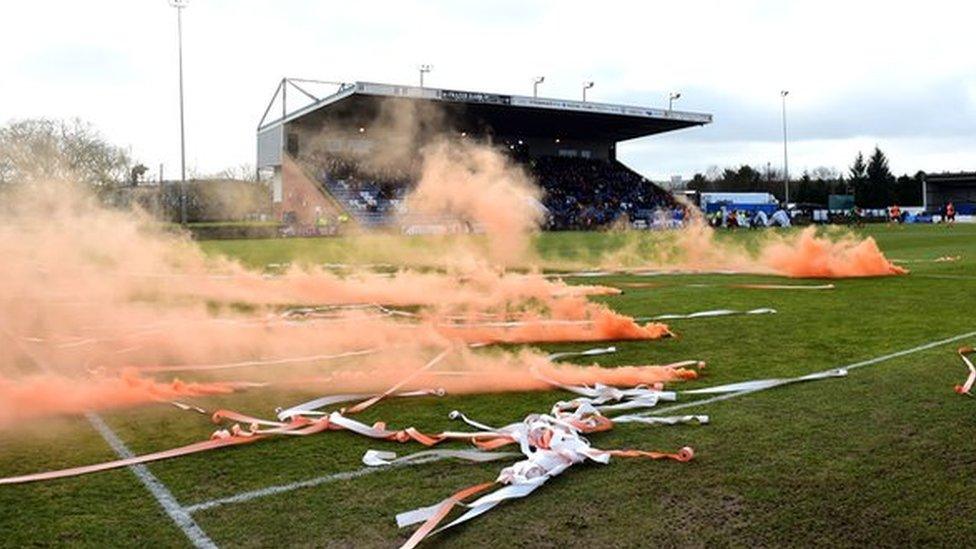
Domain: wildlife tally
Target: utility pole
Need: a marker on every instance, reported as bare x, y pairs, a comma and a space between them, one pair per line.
179, 5
786, 162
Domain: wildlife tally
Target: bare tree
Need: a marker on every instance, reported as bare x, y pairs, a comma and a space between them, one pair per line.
713, 173
824, 173
240, 172
43, 149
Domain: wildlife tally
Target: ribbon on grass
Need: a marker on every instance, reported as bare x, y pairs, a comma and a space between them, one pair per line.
707, 314
967, 387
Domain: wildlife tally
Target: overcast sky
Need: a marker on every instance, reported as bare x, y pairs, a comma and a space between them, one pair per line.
898, 74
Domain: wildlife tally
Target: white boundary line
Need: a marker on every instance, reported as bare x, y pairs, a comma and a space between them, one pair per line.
179, 514
863, 363
163, 496
349, 475
944, 276
282, 488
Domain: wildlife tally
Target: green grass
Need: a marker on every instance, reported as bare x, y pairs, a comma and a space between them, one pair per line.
883, 457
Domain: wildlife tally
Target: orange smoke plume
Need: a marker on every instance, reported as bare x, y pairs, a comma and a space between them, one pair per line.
90, 289
803, 254
605, 325
473, 372
51, 394
807, 255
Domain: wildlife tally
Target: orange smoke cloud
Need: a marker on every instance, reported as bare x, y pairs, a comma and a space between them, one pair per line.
605, 325
476, 184
88, 293
466, 371
807, 255
802, 254
50, 394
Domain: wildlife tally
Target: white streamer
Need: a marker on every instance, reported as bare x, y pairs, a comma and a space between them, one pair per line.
662, 420
550, 444
966, 388
379, 458
310, 407
708, 314
763, 384
588, 352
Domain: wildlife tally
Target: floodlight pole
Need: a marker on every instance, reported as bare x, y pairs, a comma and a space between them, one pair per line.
424, 69
671, 99
535, 85
586, 86
786, 163
179, 5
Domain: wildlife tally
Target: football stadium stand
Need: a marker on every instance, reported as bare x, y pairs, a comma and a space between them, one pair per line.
341, 156
956, 187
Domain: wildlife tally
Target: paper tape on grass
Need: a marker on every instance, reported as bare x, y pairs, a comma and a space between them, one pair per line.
549, 444
967, 387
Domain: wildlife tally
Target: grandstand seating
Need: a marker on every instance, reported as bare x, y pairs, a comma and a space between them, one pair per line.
586, 192
371, 200
579, 192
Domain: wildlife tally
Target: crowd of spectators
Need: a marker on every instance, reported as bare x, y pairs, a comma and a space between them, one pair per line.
579, 193
372, 193
732, 218
582, 193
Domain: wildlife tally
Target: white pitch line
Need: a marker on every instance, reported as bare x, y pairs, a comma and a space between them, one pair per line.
349, 475
282, 488
944, 276
863, 363
179, 514
163, 496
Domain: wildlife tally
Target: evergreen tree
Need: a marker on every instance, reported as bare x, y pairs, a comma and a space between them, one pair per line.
859, 176
880, 180
807, 191
859, 169
908, 190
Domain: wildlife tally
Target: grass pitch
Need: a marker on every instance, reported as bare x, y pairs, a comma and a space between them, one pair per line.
884, 456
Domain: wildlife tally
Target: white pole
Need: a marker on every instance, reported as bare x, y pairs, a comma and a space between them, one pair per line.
786, 163
179, 5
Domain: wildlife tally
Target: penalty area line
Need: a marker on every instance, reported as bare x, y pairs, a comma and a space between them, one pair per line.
179, 514
853, 366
